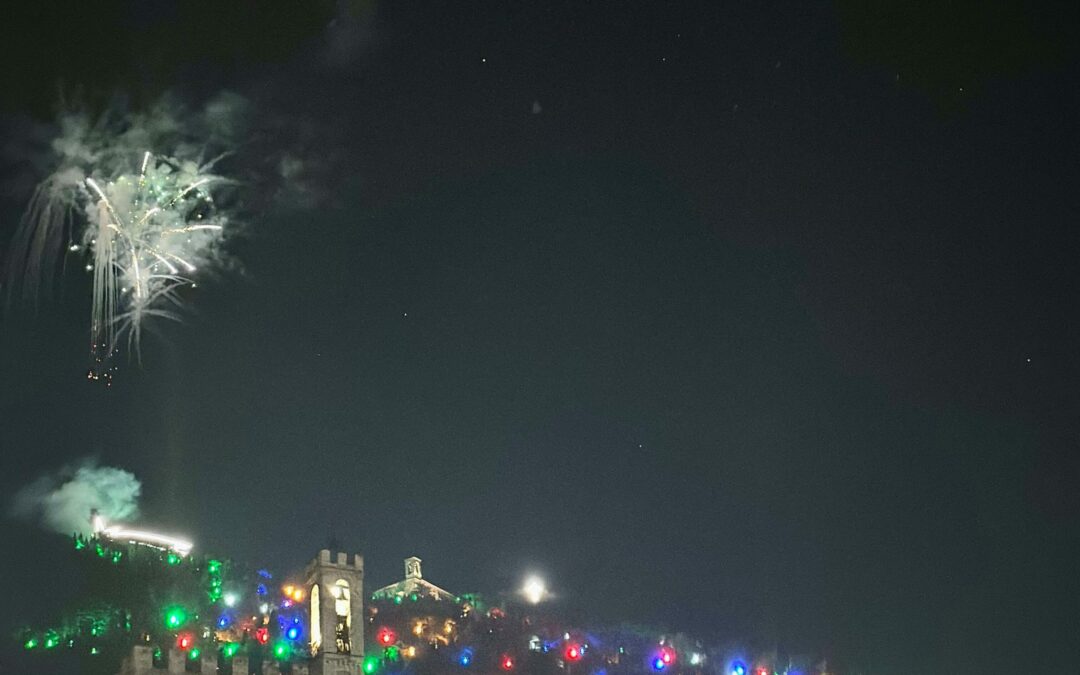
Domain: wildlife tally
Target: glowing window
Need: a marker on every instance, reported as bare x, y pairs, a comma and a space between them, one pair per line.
342, 607
316, 620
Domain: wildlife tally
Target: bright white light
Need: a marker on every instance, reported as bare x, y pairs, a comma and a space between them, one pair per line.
149, 539
154, 539
230, 599
534, 590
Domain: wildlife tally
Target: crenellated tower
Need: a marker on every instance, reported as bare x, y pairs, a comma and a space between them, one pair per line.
336, 613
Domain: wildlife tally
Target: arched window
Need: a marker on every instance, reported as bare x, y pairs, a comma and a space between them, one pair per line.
316, 621
343, 610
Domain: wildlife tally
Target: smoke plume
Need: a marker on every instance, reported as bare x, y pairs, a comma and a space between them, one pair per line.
61, 501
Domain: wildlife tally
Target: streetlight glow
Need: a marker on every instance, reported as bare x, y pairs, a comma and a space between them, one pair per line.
534, 589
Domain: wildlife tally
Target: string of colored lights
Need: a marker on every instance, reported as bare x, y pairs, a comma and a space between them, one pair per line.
218, 610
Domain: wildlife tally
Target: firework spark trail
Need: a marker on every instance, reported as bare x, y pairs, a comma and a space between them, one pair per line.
47, 222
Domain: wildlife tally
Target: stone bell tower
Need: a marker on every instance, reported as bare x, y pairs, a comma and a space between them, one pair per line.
412, 568
336, 613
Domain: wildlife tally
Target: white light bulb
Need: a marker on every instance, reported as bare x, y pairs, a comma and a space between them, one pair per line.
534, 589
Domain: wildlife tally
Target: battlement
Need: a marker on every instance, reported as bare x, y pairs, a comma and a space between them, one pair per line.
141, 662
338, 560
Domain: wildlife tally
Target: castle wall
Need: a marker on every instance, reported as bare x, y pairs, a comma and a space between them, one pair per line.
141, 662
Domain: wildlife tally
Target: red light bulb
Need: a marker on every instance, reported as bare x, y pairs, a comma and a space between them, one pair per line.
507, 663
387, 637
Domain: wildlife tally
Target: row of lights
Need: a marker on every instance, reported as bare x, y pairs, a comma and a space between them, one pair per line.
739, 668
534, 590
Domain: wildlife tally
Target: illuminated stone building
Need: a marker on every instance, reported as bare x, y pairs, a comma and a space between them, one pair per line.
335, 594
413, 585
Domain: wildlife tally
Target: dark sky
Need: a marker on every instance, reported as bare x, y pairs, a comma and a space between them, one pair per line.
763, 328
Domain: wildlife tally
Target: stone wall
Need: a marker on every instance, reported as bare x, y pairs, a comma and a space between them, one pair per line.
141, 662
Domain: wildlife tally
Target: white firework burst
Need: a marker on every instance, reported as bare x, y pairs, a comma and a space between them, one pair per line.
134, 195
147, 233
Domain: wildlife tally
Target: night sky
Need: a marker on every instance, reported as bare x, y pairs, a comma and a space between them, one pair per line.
752, 320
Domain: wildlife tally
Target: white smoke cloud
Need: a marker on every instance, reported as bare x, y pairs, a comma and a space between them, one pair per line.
62, 501
351, 33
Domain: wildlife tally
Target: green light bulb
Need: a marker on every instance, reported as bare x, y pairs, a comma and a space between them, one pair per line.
175, 617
